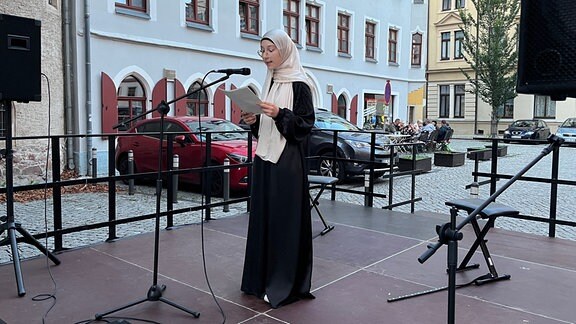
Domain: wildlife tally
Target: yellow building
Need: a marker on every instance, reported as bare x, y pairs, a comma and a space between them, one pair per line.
447, 95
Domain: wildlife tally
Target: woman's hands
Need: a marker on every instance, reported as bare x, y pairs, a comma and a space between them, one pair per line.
248, 117
270, 109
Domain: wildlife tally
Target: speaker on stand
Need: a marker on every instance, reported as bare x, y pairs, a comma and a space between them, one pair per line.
19, 81
547, 49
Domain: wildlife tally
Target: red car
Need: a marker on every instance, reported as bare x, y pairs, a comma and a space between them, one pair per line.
191, 148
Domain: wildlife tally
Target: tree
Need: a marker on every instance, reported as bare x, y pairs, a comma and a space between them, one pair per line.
489, 46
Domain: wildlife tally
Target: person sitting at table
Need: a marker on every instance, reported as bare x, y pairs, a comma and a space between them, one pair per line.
428, 126
442, 131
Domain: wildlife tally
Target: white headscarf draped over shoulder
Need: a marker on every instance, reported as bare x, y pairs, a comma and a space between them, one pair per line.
270, 142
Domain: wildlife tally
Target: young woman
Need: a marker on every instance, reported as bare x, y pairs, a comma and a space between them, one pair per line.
278, 261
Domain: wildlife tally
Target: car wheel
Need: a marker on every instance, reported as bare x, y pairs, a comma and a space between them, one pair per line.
216, 183
122, 166
326, 167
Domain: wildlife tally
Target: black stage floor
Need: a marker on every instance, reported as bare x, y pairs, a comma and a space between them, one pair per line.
369, 257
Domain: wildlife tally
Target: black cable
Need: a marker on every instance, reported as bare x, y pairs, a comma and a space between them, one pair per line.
202, 210
43, 297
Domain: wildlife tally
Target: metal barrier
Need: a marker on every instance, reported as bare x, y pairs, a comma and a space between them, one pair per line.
494, 176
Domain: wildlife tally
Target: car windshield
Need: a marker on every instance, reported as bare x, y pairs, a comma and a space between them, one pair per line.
329, 121
523, 123
214, 126
569, 123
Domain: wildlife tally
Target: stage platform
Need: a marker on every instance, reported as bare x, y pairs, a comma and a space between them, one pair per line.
369, 257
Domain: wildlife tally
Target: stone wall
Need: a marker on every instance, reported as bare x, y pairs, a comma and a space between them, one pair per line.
34, 118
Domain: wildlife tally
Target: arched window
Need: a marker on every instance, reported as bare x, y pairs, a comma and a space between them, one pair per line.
197, 102
131, 98
342, 106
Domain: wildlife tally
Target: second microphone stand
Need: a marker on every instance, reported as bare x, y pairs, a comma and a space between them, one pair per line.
450, 234
155, 291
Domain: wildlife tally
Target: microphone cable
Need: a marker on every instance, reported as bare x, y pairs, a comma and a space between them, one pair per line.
202, 188
47, 296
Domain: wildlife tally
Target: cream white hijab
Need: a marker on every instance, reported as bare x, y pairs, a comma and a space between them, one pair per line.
270, 142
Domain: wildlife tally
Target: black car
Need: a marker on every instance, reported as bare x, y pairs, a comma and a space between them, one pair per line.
527, 129
354, 145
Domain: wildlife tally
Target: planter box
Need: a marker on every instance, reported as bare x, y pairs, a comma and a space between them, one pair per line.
502, 149
449, 159
479, 153
424, 164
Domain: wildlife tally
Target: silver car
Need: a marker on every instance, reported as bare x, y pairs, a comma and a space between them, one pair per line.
568, 130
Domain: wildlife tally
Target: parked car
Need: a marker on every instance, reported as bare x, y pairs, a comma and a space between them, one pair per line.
531, 129
568, 130
350, 146
191, 148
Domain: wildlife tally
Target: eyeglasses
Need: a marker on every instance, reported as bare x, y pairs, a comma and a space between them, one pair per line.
270, 50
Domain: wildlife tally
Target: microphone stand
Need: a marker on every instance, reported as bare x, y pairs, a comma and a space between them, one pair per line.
450, 234
155, 291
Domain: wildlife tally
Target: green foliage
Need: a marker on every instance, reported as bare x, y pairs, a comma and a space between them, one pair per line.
489, 47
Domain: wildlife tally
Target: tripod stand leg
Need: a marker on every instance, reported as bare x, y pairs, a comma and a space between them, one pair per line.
101, 315
16, 260
30, 239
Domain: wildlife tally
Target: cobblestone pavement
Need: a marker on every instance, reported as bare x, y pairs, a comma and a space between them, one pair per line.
436, 187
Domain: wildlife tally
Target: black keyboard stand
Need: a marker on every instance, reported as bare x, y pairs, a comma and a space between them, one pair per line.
323, 182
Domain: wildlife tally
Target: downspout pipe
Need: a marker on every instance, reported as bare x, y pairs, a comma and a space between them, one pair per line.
88, 75
68, 113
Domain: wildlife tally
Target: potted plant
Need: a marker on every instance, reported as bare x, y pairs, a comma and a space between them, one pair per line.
501, 149
422, 162
479, 153
446, 157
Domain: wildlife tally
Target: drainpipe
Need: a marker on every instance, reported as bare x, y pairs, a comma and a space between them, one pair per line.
88, 81
68, 114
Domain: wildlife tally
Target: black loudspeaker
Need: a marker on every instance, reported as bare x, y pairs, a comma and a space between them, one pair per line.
19, 59
547, 51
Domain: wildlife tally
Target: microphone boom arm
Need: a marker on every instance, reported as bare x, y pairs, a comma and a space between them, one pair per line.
554, 141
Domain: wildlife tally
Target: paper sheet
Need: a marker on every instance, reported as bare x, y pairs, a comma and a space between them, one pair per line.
246, 99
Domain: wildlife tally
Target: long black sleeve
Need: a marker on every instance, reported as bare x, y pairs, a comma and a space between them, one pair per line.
295, 124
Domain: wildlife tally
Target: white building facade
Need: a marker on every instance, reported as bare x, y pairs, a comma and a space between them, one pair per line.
129, 55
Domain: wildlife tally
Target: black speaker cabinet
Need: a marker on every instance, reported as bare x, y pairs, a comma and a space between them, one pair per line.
547, 51
19, 59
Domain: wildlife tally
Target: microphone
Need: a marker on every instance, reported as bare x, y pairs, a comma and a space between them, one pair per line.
243, 71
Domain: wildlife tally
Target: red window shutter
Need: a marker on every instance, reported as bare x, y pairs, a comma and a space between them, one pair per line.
334, 104
220, 103
235, 116
354, 110
109, 100
159, 93
180, 104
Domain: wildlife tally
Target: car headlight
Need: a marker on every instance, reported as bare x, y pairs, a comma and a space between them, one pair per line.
507, 132
529, 133
357, 144
237, 157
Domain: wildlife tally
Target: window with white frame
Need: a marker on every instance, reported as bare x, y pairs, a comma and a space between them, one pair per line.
370, 36
249, 16
460, 4
291, 16
446, 5
444, 101
343, 33
138, 5
506, 110
198, 11
459, 93
544, 107
445, 46
392, 45
416, 50
312, 25
458, 43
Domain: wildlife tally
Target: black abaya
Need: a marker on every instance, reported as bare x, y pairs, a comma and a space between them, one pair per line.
278, 261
